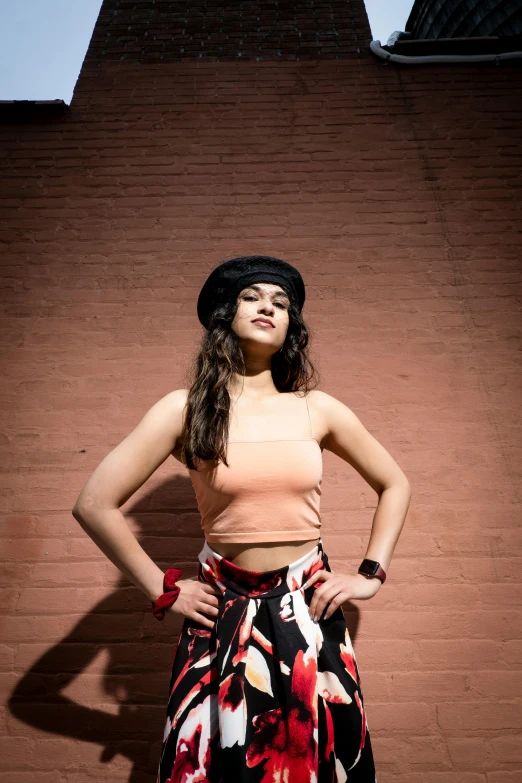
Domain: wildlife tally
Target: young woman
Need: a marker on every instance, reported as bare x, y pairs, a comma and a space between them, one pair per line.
264, 686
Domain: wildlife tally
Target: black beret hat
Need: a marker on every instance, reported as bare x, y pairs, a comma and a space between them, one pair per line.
227, 280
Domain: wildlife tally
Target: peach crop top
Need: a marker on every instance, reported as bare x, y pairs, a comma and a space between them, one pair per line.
272, 488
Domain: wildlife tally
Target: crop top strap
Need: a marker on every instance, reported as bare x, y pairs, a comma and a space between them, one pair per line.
309, 417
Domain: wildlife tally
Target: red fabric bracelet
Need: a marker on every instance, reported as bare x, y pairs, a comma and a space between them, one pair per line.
170, 594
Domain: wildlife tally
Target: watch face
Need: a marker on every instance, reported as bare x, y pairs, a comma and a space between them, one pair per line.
369, 567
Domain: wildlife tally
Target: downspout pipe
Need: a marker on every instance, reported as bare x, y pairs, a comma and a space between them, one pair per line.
404, 59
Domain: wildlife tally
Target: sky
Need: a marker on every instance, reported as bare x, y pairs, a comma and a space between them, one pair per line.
43, 42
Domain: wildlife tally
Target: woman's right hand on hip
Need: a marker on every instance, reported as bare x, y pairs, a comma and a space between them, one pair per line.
196, 600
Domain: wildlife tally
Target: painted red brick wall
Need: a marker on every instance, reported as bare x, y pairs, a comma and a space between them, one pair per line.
396, 191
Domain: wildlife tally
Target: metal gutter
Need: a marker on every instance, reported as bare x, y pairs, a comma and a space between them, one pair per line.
404, 59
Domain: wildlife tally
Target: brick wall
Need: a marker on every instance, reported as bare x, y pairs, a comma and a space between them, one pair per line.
167, 31
396, 191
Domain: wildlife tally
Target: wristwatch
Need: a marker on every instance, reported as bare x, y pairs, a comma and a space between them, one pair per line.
370, 568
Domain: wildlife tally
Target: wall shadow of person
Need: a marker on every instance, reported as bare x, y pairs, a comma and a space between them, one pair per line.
139, 650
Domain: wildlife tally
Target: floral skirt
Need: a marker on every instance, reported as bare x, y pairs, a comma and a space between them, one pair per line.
267, 696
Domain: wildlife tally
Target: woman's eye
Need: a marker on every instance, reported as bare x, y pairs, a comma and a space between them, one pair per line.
253, 299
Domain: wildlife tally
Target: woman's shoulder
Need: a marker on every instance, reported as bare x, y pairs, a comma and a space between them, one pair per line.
320, 399
178, 397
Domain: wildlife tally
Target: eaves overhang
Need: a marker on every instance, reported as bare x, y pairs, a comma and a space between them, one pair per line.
17, 112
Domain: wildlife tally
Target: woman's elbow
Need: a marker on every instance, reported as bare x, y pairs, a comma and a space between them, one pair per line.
84, 506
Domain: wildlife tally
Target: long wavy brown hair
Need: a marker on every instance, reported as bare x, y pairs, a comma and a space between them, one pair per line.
206, 422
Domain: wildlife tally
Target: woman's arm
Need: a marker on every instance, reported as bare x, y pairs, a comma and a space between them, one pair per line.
117, 478
347, 437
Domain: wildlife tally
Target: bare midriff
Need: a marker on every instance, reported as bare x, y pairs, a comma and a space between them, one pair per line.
266, 556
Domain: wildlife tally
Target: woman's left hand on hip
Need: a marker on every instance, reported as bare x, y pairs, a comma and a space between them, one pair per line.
336, 589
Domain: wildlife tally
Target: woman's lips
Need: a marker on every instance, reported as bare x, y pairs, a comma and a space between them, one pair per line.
263, 323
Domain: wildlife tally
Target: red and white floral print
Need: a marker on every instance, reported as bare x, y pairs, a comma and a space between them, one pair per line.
268, 696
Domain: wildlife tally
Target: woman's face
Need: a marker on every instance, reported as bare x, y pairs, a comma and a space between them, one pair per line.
266, 301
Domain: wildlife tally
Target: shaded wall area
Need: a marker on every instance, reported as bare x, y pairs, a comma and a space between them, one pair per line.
170, 31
